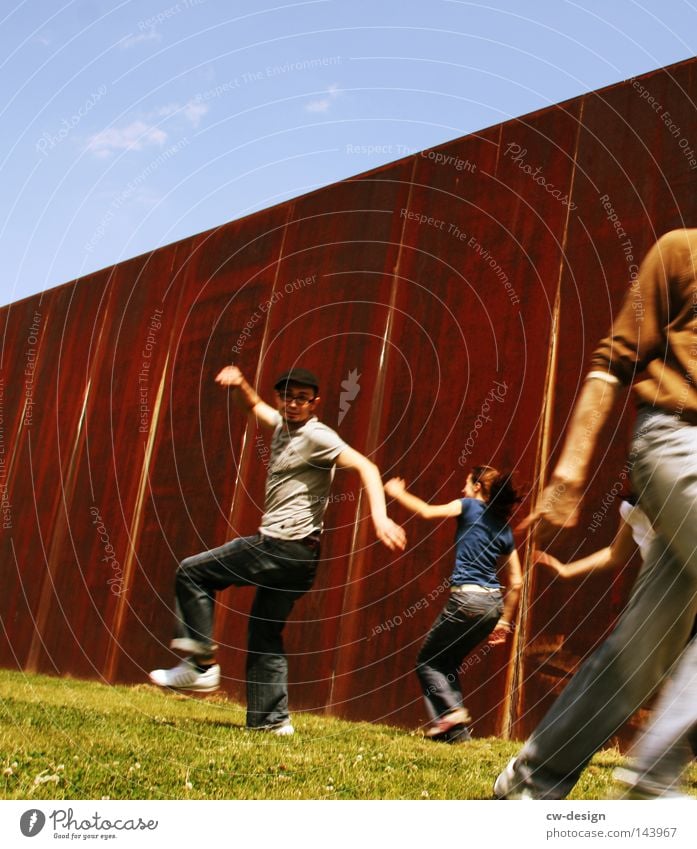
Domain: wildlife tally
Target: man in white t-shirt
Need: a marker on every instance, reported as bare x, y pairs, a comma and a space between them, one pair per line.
281, 559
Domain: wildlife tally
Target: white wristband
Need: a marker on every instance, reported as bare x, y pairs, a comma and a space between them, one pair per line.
602, 375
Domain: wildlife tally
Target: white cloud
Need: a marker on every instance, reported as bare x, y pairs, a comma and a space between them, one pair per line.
318, 105
135, 136
192, 110
166, 110
324, 103
132, 40
147, 197
146, 132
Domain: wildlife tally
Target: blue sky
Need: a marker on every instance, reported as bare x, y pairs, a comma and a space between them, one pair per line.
129, 125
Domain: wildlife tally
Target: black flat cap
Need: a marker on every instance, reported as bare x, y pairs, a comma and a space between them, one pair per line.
297, 375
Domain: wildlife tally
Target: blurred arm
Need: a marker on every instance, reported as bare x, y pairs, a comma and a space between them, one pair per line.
387, 531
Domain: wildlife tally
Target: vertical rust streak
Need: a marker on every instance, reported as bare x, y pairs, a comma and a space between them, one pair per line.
245, 455
58, 536
60, 526
354, 571
515, 683
136, 524
135, 530
498, 150
47, 581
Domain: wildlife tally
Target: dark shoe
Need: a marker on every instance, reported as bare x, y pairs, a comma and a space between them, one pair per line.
457, 734
457, 718
281, 729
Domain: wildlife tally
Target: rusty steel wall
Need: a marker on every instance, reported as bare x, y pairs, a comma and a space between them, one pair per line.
437, 286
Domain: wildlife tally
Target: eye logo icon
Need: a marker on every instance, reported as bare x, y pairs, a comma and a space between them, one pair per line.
31, 822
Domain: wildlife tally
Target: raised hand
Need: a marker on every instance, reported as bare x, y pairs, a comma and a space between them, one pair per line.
229, 376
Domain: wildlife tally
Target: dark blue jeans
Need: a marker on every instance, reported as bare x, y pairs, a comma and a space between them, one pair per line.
282, 571
467, 619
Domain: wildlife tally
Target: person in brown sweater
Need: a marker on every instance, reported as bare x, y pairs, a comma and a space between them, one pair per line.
653, 345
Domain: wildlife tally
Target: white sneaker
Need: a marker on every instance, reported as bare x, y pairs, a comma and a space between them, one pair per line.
284, 729
187, 677
507, 786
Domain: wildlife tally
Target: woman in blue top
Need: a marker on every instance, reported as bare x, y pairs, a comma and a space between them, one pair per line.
476, 609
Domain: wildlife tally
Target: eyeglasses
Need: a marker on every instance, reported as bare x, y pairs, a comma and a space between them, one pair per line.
300, 400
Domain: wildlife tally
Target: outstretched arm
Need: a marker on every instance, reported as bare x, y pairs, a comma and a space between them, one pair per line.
635, 338
558, 505
614, 556
513, 579
387, 531
246, 394
396, 488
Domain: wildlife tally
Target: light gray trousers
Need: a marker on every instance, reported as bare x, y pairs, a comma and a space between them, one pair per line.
627, 668
663, 750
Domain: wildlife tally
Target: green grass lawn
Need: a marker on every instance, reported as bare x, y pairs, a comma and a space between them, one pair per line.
67, 739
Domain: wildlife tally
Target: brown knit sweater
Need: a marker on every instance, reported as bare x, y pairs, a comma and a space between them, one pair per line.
653, 340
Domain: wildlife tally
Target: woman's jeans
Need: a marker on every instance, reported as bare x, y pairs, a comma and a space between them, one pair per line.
467, 619
619, 677
282, 571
